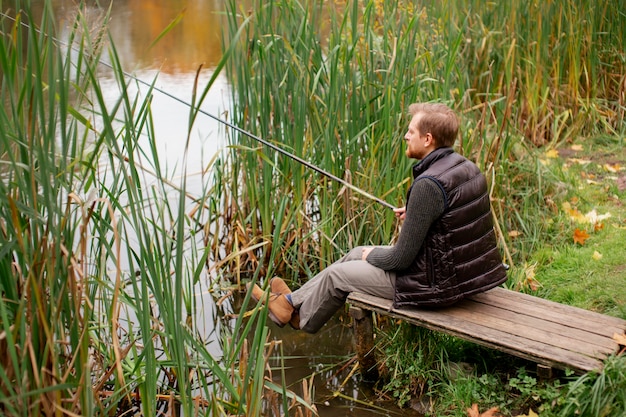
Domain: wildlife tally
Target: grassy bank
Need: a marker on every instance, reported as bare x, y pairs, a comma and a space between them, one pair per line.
104, 289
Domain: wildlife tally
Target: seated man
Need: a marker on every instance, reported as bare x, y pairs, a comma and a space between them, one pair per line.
446, 249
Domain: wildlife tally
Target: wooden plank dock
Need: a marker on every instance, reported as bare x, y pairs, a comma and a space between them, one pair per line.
552, 335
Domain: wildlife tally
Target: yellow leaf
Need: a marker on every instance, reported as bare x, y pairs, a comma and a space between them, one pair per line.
573, 213
612, 168
530, 280
596, 255
580, 236
577, 147
552, 153
620, 338
531, 413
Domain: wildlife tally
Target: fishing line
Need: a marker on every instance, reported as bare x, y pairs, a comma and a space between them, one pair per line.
228, 124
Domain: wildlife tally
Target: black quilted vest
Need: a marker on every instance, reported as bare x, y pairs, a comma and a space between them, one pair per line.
459, 256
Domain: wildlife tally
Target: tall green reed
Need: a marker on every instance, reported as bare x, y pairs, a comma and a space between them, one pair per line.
104, 286
332, 84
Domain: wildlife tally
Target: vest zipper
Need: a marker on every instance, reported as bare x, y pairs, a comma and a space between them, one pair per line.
431, 268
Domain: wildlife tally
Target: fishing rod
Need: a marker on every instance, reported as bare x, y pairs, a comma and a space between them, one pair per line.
236, 128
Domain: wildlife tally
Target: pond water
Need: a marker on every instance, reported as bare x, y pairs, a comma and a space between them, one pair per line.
174, 61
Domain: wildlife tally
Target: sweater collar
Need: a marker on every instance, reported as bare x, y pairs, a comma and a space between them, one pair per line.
430, 159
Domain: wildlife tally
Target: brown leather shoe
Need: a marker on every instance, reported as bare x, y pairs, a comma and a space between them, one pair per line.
295, 320
280, 310
279, 286
257, 292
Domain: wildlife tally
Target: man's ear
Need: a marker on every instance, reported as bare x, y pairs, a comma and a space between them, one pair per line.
429, 140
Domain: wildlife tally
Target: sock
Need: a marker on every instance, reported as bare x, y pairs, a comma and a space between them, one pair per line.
288, 297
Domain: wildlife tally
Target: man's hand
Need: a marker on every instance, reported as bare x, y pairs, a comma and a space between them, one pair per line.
366, 251
400, 212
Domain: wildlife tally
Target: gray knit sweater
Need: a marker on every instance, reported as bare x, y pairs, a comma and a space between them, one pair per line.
426, 203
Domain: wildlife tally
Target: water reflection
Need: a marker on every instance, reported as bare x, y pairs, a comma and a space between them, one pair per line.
192, 43
193, 40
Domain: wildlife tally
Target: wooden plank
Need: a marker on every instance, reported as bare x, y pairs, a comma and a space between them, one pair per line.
514, 324
544, 322
551, 316
548, 312
572, 319
518, 324
529, 300
505, 342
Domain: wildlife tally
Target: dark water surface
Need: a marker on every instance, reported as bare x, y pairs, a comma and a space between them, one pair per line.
192, 44
329, 356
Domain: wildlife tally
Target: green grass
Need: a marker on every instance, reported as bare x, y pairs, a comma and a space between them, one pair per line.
589, 275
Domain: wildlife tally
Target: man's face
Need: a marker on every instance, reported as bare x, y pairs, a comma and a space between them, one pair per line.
415, 142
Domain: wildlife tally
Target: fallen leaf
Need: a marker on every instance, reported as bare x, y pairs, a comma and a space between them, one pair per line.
552, 153
596, 256
620, 338
531, 413
573, 213
598, 226
530, 281
577, 147
580, 236
492, 412
593, 217
579, 161
621, 183
515, 233
612, 168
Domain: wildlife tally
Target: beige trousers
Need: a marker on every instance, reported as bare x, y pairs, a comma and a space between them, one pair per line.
320, 297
